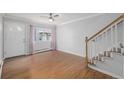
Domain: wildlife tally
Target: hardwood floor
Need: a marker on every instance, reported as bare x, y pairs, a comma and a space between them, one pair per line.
49, 65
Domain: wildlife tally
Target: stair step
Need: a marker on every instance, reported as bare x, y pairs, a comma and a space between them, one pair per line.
115, 63
113, 49
122, 51
107, 55
120, 54
121, 45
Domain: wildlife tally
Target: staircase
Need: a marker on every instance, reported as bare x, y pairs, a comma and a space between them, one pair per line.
105, 49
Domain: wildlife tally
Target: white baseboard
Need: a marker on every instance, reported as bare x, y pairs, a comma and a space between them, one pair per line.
70, 52
105, 72
40, 51
1, 66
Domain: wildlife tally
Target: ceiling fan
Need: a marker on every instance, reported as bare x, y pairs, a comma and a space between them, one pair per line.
51, 16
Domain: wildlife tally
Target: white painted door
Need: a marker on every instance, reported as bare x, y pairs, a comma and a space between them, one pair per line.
14, 39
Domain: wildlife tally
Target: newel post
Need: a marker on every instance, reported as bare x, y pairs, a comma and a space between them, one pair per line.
86, 41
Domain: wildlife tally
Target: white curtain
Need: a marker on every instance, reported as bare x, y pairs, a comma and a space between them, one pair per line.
53, 45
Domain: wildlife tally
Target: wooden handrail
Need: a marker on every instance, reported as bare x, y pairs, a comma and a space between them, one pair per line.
102, 30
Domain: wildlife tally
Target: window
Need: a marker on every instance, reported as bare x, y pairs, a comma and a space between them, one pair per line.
43, 34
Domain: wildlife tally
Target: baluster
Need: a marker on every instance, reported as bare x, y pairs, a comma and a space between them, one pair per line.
109, 39
100, 48
106, 41
112, 44
92, 49
100, 43
96, 46
89, 51
103, 42
96, 49
120, 32
123, 35
116, 36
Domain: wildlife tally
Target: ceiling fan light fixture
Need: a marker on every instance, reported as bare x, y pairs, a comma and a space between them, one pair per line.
51, 19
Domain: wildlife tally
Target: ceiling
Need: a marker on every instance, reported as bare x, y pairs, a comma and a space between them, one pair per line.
62, 19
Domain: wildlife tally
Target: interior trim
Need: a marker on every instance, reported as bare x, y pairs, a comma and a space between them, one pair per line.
82, 18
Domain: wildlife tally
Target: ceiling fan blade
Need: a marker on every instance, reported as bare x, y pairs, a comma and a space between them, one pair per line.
45, 16
50, 15
56, 15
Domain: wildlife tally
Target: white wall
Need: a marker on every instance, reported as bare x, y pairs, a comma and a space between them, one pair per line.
27, 23
71, 37
1, 38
